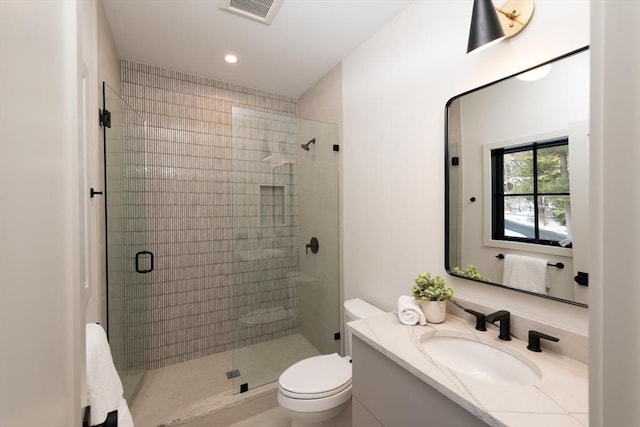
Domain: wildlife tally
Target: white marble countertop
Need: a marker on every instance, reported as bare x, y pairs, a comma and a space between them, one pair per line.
559, 399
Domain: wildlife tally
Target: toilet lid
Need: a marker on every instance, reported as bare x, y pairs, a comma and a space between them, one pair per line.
316, 377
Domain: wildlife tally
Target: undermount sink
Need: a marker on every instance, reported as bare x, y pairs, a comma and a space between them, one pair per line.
481, 360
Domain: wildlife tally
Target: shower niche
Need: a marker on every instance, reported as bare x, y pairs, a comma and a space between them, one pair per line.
272, 206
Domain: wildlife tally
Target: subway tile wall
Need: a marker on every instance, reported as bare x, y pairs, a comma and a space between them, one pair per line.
265, 224
125, 159
220, 214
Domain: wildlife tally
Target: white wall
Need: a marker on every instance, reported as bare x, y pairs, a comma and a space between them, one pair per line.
108, 57
46, 51
615, 200
395, 88
322, 102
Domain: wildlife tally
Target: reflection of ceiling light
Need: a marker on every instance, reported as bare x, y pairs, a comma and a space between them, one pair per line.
231, 59
535, 74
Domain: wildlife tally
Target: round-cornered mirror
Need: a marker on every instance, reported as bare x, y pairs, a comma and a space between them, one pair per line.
517, 180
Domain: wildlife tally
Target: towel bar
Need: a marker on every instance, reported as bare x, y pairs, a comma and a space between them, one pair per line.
557, 264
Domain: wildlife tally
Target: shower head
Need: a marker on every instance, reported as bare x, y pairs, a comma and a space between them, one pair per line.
305, 147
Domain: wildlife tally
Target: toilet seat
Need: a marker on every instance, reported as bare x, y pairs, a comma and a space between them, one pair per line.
316, 377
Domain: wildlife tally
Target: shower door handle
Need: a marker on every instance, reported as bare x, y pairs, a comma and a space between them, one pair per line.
146, 270
314, 245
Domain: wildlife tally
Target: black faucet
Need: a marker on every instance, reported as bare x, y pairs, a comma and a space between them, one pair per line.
504, 317
480, 319
534, 340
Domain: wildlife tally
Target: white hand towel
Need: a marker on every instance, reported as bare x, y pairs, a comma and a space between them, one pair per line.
526, 273
409, 311
104, 388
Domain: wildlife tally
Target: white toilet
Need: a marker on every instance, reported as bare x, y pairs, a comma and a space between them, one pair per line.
317, 391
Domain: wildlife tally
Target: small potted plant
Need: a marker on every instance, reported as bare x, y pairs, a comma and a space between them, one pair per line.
432, 293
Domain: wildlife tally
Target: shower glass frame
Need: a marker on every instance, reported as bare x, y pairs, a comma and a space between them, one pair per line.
286, 298
125, 162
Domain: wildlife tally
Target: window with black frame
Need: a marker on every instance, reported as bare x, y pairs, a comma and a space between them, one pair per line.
530, 193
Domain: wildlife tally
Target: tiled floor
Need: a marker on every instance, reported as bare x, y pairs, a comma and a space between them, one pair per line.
271, 418
259, 412
198, 394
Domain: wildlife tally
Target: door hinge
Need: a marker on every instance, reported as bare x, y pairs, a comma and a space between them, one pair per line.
105, 118
582, 278
233, 374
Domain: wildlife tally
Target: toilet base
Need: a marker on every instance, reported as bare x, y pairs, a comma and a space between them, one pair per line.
340, 418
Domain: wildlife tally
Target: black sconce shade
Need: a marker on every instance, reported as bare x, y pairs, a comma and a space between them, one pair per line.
485, 26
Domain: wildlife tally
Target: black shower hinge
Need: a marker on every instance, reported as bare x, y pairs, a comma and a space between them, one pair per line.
336, 147
336, 336
455, 161
244, 387
105, 118
582, 278
235, 373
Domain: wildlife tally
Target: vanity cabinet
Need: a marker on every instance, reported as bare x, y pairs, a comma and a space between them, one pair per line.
387, 395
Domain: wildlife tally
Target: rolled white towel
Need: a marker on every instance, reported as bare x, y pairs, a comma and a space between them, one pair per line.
409, 311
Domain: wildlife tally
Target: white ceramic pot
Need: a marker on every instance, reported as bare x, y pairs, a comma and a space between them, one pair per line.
434, 311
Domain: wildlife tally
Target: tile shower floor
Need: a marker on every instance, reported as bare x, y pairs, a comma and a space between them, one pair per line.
197, 393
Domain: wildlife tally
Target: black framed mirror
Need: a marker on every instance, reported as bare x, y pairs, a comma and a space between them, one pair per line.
516, 181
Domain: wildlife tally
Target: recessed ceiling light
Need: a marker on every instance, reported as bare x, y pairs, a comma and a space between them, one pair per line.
231, 59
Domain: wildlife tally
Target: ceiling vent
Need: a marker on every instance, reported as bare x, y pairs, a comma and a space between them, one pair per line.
259, 10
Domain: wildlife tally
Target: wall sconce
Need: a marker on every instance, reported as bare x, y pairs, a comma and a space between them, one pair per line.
490, 24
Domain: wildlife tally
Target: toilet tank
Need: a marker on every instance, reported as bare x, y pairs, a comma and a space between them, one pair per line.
356, 309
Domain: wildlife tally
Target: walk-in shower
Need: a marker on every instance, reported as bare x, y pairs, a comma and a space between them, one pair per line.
224, 225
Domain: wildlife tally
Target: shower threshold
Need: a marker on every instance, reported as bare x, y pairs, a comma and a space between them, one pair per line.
197, 392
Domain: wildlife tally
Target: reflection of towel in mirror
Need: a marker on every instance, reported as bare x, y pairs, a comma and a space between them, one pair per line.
526, 273
409, 311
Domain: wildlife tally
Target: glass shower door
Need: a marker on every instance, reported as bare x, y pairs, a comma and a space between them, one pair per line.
318, 280
285, 292
128, 261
